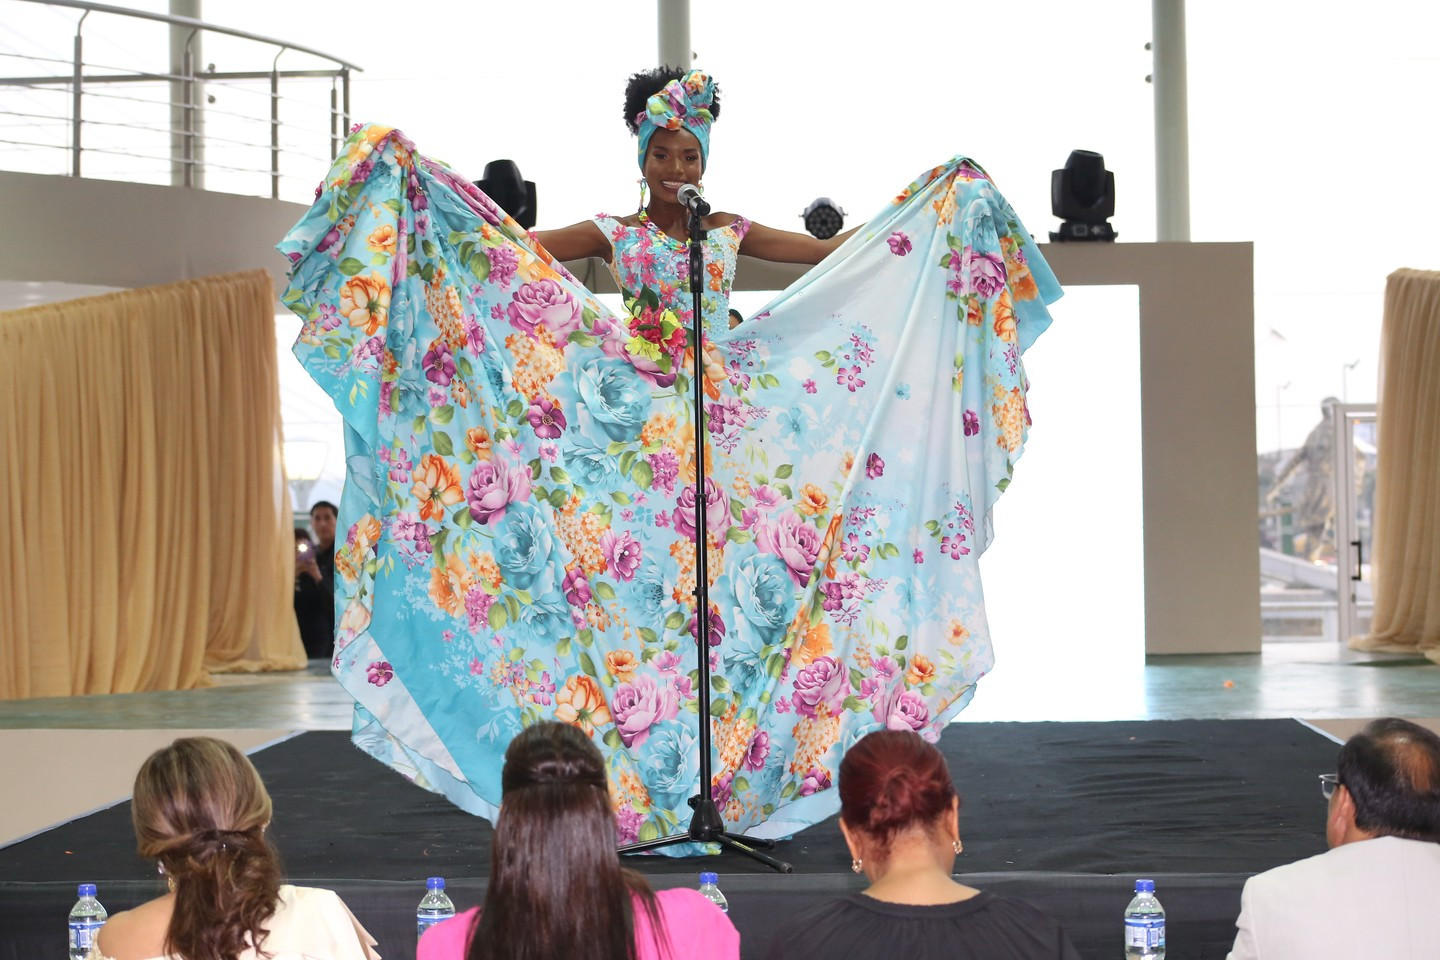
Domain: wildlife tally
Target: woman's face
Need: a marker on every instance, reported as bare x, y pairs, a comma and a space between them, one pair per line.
671, 161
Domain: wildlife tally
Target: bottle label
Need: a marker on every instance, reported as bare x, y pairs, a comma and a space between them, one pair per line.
1145, 933
82, 933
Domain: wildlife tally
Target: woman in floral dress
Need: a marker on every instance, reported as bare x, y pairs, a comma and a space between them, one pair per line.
519, 508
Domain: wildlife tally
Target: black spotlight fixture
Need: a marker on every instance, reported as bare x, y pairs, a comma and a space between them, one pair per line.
823, 219
515, 195
1083, 195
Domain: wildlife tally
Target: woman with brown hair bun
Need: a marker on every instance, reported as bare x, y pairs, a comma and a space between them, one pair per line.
556, 886
900, 816
200, 811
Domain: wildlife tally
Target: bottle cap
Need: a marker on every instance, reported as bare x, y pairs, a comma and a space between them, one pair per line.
86, 890
1144, 886
435, 883
709, 877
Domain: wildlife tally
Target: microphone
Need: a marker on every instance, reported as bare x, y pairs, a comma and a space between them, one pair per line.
691, 199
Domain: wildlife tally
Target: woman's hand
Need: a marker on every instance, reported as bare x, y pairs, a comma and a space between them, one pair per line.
785, 246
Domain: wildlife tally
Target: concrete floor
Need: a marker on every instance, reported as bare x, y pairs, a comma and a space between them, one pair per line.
1289, 679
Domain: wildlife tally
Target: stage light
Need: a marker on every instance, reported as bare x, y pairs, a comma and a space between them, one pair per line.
515, 195
1083, 195
823, 219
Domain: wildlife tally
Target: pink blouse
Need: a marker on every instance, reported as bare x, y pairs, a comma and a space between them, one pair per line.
694, 929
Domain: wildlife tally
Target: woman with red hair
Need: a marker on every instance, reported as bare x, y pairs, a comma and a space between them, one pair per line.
900, 816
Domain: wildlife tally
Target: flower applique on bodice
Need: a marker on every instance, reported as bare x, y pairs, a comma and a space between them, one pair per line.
644, 256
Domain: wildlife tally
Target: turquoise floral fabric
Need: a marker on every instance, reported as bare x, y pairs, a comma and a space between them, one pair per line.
518, 540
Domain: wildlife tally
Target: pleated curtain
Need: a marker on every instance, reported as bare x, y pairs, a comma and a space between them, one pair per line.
1406, 563
147, 531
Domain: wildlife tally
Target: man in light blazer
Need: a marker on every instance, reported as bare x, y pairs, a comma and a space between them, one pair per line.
1374, 893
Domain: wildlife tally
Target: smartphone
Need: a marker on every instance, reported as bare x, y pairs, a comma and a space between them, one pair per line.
302, 548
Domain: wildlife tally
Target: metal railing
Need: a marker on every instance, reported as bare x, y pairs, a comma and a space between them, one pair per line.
107, 110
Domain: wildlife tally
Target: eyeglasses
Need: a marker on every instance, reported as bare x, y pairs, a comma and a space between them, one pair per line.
1328, 783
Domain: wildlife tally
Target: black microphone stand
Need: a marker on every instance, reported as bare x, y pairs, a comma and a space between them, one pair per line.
706, 826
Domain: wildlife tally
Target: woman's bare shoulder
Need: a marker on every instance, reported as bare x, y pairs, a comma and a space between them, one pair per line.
137, 934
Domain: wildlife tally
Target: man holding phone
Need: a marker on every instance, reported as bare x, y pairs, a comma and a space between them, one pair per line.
315, 583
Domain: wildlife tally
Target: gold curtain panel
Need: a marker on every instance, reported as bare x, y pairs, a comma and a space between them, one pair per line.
147, 522
1407, 471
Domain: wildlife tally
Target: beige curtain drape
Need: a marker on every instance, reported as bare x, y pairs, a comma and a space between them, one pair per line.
1406, 563
147, 522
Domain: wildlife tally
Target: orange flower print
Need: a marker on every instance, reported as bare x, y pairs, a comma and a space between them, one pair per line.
812, 500
382, 239
364, 534
814, 644
478, 440
974, 312
365, 302
621, 664
581, 703
717, 274
830, 546
921, 671
1009, 413
437, 486
1005, 318
449, 582
355, 619
956, 634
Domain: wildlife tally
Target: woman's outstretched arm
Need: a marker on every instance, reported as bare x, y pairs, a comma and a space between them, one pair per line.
785, 246
575, 242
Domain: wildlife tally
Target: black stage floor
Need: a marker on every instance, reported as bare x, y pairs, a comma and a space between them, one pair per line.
1063, 814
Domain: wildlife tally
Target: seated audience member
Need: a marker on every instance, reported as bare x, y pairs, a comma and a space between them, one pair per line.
200, 811
556, 886
899, 813
315, 583
1374, 893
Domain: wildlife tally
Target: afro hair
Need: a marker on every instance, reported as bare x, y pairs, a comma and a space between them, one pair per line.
644, 85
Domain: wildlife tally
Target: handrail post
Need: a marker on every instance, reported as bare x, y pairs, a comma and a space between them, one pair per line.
334, 118
76, 93
275, 126
187, 149
345, 114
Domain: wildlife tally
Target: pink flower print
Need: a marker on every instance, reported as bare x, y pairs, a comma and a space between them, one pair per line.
854, 550
809, 386
549, 452
874, 466
918, 556
576, 587
492, 487
379, 672
544, 301
987, 272
640, 705
448, 636
666, 468
884, 668
477, 608
439, 364
782, 705
849, 377
684, 688
503, 262
955, 546
816, 780
476, 667
758, 750
722, 789
666, 663
623, 553
822, 681
972, 423
543, 690
546, 418
908, 712
899, 243
627, 824
766, 496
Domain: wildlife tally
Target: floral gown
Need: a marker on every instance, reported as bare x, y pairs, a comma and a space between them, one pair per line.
518, 514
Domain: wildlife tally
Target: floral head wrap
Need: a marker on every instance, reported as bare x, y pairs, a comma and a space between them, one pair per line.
683, 104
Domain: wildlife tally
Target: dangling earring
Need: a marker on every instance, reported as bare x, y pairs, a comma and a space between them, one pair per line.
857, 865
957, 846
169, 880
644, 190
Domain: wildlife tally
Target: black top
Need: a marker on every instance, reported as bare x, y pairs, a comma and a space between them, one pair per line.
985, 927
315, 607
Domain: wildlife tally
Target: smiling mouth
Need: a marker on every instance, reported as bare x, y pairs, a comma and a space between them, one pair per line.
672, 184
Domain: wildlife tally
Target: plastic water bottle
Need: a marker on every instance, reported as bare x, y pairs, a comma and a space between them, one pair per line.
1145, 924
86, 919
434, 907
711, 892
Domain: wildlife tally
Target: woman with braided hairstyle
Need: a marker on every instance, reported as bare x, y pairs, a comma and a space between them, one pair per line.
200, 811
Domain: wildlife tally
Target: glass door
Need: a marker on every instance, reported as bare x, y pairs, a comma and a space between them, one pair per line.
1354, 499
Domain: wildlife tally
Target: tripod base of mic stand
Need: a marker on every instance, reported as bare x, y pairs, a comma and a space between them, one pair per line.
707, 827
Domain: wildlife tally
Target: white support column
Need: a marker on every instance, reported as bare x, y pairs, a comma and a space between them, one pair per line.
187, 99
674, 34
1172, 122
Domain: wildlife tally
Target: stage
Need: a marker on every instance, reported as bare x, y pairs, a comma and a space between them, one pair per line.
1065, 815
